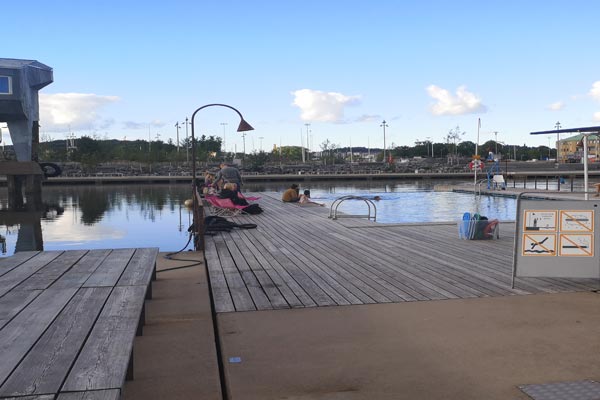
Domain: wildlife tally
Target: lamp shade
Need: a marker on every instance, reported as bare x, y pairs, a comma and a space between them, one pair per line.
244, 126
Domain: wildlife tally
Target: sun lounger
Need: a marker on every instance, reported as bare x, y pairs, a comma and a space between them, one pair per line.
223, 207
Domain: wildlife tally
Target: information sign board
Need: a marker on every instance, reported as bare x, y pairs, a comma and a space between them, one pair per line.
556, 239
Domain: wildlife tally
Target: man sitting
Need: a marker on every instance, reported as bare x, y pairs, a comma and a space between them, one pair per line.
291, 195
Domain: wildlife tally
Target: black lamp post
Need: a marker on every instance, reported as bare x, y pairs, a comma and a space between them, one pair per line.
242, 127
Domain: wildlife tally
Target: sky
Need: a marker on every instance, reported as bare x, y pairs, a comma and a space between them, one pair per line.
311, 70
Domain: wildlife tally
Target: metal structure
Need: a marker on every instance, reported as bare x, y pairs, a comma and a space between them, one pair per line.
198, 218
371, 213
20, 81
586, 131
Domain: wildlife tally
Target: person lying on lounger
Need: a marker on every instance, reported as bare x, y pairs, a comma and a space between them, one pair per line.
230, 192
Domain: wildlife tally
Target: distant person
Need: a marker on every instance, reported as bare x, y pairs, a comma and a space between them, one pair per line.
291, 195
209, 183
305, 199
228, 174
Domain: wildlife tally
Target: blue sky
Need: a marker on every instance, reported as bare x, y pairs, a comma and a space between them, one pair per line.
125, 69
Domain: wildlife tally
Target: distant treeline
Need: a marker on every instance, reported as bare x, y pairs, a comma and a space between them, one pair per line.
93, 151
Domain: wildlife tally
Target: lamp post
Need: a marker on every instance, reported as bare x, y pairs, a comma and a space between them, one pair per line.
224, 124
307, 145
242, 127
187, 142
384, 125
177, 126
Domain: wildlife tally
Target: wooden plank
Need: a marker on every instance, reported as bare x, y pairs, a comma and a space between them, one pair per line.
112, 394
14, 277
239, 292
109, 272
45, 367
272, 289
261, 292
218, 284
21, 333
46, 276
104, 359
13, 302
317, 295
294, 294
140, 269
342, 273
9, 263
81, 271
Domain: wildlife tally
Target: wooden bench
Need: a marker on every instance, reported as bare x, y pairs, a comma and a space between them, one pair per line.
68, 321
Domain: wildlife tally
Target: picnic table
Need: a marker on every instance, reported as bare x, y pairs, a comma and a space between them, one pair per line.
68, 320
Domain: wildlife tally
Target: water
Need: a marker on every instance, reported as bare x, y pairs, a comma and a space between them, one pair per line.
117, 216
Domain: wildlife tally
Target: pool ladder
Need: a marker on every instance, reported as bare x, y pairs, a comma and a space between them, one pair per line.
333, 211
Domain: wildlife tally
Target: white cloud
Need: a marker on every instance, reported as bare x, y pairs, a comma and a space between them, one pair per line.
143, 125
368, 118
559, 105
597, 116
595, 90
463, 103
60, 111
322, 106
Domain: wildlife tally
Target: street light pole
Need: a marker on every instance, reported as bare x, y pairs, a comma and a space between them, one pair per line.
557, 126
307, 145
224, 124
187, 142
177, 126
198, 225
384, 125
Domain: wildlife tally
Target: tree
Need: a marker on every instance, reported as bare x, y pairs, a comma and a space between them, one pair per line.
454, 136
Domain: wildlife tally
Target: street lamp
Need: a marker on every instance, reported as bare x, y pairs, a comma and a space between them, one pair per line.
224, 124
307, 145
242, 127
384, 125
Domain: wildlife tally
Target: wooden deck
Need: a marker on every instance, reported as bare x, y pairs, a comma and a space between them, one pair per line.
297, 257
68, 321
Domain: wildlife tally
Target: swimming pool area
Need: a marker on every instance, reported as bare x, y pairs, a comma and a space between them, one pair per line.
118, 216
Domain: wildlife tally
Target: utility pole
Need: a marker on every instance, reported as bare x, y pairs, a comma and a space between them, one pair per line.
384, 125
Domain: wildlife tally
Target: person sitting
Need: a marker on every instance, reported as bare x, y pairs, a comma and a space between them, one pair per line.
291, 195
230, 191
228, 173
305, 199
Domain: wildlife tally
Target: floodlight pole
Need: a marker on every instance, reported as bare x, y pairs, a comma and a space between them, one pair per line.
384, 125
243, 126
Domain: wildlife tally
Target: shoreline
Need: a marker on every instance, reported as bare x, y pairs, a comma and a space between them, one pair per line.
257, 178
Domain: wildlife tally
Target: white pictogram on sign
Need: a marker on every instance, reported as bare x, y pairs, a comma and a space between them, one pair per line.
539, 245
581, 245
577, 221
540, 221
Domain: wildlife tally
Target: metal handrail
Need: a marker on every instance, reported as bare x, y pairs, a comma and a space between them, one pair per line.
333, 211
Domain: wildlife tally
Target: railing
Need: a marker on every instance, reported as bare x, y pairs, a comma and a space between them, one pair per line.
333, 211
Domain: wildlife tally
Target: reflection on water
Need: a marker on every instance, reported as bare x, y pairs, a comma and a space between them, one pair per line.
118, 216
92, 217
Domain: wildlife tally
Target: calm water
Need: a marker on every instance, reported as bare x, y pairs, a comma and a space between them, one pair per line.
114, 216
